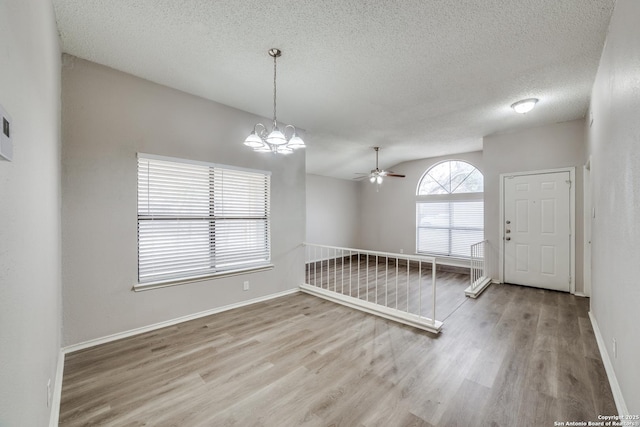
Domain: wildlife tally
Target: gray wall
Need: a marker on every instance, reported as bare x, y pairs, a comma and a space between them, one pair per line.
614, 145
29, 212
546, 147
333, 211
389, 215
109, 116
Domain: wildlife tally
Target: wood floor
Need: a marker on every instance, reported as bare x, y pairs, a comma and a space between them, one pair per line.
514, 357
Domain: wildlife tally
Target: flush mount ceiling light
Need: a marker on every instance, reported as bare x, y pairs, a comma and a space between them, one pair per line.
275, 141
524, 106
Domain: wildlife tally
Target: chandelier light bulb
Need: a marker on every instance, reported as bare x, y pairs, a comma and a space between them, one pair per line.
253, 141
283, 149
296, 142
276, 137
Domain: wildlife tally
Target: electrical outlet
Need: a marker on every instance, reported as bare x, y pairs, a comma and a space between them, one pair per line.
49, 393
615, 349
245, 286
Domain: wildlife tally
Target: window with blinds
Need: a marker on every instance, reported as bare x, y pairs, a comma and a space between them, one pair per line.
450, 210
450, 228
198, 219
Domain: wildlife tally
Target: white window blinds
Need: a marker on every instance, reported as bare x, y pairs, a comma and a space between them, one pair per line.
450, 227
197, 219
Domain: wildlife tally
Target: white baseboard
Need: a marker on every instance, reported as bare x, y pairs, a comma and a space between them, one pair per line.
608, 367
57, 391
143, 329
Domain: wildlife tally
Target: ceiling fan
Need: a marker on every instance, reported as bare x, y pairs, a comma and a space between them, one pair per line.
377, 175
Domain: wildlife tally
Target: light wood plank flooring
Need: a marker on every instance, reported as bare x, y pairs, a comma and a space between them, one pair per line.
514, 357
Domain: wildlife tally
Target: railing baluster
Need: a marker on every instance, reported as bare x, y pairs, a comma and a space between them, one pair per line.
358, 290
350, 273
386, 281
376, 279
367, 284
396, 283
433, 291
321, 267
419, 288
342, 272
407, 261
335, 272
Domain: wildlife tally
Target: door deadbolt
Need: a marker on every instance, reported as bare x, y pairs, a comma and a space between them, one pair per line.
507, 238
508, 222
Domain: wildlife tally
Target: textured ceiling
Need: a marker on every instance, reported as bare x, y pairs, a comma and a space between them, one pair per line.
419, 78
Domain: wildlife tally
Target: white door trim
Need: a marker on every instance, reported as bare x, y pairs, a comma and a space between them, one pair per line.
587, 225
572, 216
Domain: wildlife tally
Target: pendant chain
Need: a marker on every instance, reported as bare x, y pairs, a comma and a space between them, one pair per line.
274, 90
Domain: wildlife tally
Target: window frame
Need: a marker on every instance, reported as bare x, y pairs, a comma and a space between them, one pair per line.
215, 271
442, 198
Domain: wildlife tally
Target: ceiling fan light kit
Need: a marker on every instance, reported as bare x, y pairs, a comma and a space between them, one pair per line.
276, 141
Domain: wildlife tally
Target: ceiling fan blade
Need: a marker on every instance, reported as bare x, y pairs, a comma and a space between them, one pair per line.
391, 173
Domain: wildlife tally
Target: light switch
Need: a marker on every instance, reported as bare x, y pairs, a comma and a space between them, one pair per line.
6, 143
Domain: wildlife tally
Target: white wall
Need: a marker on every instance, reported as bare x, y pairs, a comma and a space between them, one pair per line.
614, 145
30, 316
546, 147
109, 116
333, 211
389, 215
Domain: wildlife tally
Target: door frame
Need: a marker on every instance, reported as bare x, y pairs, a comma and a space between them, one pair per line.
588, 224
572, 219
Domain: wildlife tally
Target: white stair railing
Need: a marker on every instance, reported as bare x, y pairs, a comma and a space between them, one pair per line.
479, 280
395, 286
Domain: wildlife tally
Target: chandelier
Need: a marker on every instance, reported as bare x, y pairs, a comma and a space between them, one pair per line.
275, 141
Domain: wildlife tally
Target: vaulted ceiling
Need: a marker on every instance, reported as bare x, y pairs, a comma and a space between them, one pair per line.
419, 78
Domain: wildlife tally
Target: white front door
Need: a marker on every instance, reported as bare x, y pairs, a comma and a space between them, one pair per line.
537, 230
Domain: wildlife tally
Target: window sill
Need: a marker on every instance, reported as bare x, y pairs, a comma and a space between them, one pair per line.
138, 287
449, 260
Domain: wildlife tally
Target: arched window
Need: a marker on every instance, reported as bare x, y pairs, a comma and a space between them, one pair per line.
450, 209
